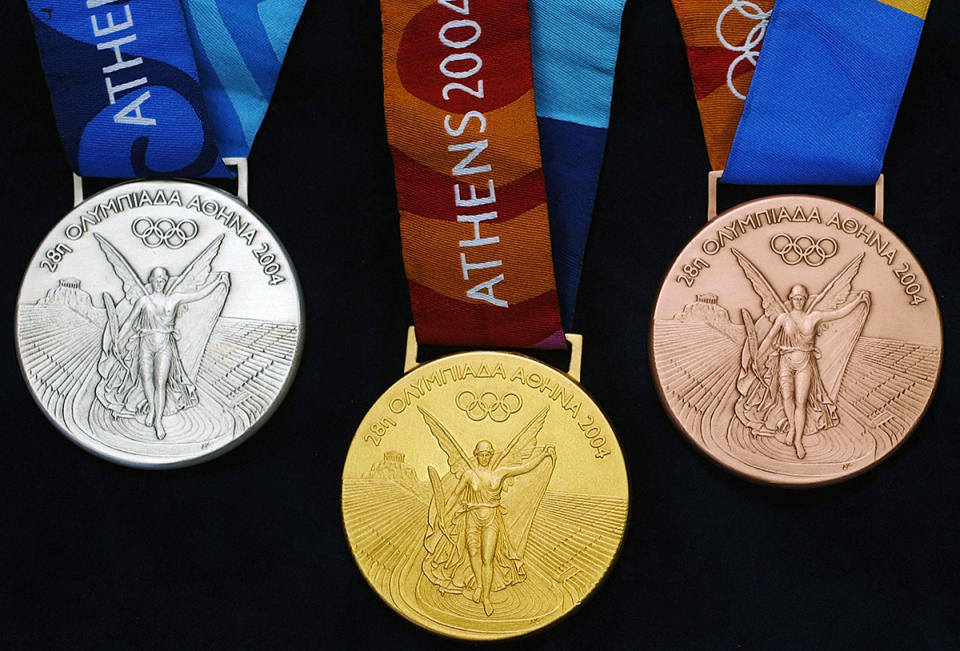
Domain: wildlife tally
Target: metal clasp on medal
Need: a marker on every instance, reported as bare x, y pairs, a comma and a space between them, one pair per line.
243, 181
714, 176
576, 353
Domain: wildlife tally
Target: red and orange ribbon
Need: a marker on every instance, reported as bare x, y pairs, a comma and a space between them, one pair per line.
461, 122
723, 40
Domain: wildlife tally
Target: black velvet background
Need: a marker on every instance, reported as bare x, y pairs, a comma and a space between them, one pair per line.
248, 550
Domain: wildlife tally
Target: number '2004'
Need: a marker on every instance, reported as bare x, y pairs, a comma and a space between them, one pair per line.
908, 279
268, 264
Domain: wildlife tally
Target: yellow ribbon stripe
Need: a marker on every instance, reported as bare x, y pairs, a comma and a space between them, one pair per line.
916, 7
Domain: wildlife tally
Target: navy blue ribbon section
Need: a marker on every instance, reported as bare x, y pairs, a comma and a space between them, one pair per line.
574, 46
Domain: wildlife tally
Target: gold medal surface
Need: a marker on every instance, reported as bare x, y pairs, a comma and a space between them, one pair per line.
484, 495
796, 340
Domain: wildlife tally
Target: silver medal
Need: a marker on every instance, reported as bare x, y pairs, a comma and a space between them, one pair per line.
159, 323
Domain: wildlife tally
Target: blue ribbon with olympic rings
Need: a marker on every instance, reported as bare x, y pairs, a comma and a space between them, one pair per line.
826, 91
155, 88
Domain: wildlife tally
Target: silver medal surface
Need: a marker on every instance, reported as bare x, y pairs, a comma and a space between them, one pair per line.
159, 323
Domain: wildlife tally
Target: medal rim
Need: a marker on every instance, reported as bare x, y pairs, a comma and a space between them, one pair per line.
769, 478
491, 639
121, 458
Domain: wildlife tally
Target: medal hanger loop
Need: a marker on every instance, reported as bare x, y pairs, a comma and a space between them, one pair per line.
243, 176
715, 175
243, 181
576, 353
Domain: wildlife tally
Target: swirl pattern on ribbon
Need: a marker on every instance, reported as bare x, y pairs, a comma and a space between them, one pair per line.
751, 11
811, 251
488, 405
164, 232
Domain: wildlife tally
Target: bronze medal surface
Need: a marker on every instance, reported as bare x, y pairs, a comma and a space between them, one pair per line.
796, 340
484, 495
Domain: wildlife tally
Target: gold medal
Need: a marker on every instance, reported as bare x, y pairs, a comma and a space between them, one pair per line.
796, 340
484, 495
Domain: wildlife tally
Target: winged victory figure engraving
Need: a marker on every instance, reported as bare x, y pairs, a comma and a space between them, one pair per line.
482, 509
149, 361
789, 378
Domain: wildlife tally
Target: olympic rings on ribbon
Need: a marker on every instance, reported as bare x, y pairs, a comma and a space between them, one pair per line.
805, 249
488, 404
751, 11
164, 231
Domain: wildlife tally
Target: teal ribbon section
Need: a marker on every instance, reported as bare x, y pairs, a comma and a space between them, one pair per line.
825, 94
574, 45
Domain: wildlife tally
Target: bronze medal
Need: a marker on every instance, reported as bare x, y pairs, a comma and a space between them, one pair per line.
796, 340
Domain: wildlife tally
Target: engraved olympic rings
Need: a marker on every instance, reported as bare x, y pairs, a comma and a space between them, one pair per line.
794, 250
164, 231
488, 404
750, 11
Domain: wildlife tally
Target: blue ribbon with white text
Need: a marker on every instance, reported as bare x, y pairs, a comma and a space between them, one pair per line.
154, 88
